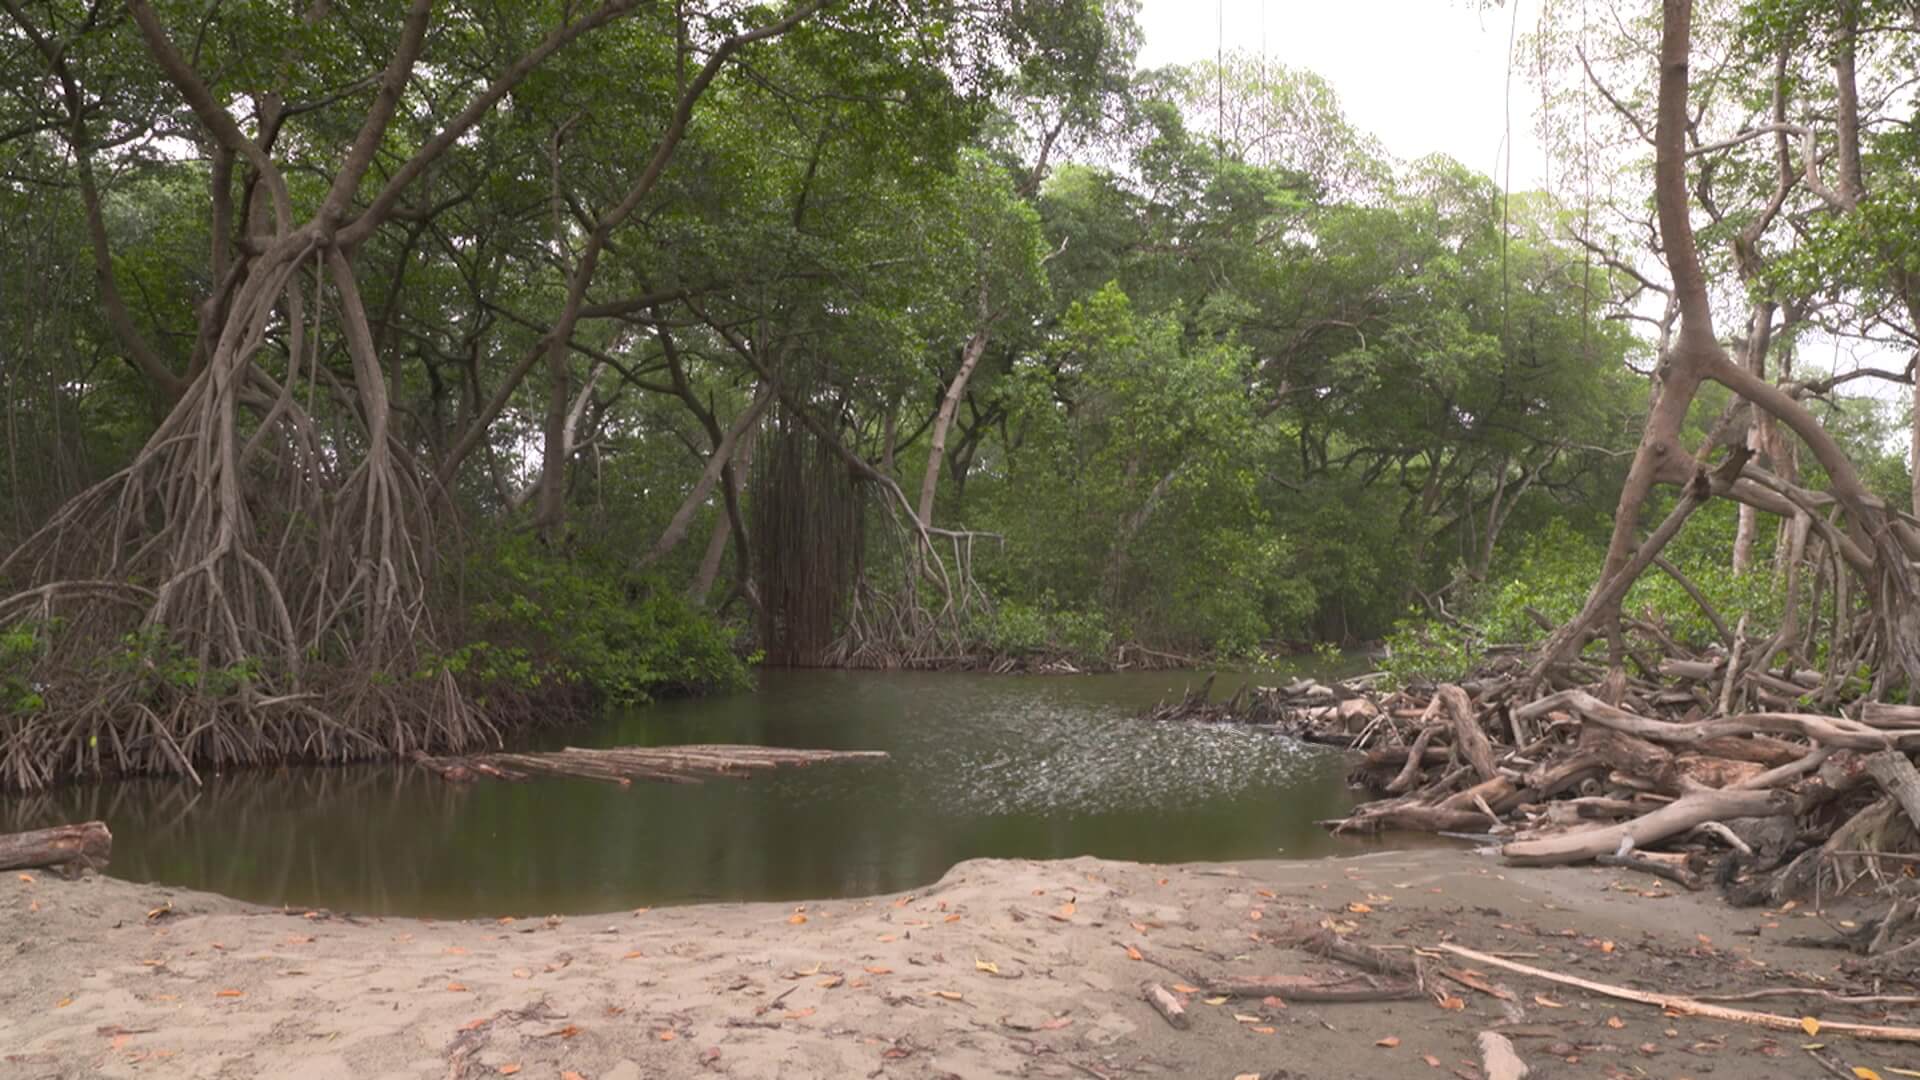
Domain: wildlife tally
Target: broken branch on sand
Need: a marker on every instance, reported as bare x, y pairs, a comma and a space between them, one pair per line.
1688, 1006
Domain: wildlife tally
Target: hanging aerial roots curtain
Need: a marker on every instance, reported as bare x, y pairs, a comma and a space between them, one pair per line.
808, 537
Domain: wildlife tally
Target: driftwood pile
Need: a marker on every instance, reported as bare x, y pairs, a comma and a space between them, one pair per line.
624, 764
1777, 802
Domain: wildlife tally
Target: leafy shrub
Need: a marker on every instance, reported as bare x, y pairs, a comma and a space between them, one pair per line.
580, 623
1552, 574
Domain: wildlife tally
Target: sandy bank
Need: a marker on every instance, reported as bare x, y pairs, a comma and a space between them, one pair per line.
1002, 969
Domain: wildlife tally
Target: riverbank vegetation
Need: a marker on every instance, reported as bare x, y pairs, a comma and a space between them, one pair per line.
379, 380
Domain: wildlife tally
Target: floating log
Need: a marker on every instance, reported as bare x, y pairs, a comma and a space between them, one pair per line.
624, 764
67, 848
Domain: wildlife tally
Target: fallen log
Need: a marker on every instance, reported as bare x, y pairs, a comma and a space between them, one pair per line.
624, 764
1670, 820
1898, 778
1686, 1006
1653, 862
1836, 731
66, 848
1469, 738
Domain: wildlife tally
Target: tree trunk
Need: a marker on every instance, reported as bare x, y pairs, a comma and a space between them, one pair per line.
936, 454
722, 456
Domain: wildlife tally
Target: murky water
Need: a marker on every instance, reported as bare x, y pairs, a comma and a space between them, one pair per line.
981, 765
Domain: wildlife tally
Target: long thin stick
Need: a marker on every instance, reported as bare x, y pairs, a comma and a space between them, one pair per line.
1687, 1006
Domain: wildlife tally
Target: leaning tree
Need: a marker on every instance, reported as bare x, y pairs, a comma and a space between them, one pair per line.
1809, 189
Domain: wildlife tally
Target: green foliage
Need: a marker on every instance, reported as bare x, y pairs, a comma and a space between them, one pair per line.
21, 647
1043, 629
1549, 578
579, 625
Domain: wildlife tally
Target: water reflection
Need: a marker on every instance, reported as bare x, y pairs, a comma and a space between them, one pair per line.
982, 766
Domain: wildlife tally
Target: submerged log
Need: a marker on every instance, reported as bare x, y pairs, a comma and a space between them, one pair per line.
68, 848
624, 764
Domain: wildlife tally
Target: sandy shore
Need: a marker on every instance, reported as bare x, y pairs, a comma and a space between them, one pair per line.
1002, 969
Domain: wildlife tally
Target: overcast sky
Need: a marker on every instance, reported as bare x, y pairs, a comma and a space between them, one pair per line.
1424, 76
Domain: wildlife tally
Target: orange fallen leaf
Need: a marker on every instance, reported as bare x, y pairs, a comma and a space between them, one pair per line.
456, 988
831, 981
473, 1024
228, 993
1616, 1023
1430, 1060
1268, 893
878, 970
1262, 1030
886, 937
28, 878
1607, 946
1067, 909
1272, 1002
509, 1070
1546, 1002
1389, 1042
634, 955
1255, 914
1359, 908
666, 1036
796, 918
63, 1003
955, 917
1452, 1003
455, 950
571, 1075
800, 1014
1163, 881
1185, 989
1809, 1025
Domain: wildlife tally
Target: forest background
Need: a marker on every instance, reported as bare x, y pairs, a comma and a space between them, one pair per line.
379, 378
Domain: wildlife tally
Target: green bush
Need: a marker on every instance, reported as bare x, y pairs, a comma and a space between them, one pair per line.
1014, 628
1552, 574
21, 646
579, 623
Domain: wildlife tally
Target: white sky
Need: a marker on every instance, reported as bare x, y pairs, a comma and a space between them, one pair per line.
1424, 76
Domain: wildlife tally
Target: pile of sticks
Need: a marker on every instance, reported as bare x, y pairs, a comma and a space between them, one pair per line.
624, 764
1674, 775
